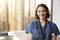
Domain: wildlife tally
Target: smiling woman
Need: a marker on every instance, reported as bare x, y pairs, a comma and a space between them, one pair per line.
41, 28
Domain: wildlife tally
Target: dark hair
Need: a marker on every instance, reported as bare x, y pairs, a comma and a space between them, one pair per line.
44, 6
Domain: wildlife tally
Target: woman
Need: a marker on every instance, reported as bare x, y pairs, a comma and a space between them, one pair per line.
41, 28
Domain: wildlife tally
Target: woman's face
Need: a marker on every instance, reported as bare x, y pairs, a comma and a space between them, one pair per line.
41, 12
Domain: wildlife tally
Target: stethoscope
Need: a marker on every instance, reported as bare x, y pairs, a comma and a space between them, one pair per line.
42, 34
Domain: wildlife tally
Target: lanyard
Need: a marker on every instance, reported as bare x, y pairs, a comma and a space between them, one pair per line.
42, 33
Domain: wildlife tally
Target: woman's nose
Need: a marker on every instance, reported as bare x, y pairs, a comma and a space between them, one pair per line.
41, 13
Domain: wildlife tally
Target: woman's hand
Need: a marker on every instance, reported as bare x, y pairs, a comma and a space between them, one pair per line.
54, 37
30, 36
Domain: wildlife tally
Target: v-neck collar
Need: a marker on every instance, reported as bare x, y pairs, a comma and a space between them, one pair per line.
39, 28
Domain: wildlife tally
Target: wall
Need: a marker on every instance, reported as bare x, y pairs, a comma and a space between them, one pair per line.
56, 12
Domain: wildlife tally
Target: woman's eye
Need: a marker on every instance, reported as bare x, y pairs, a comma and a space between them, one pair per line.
39, 11
43, 10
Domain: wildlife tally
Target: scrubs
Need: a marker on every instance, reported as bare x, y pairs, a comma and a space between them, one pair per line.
34, 28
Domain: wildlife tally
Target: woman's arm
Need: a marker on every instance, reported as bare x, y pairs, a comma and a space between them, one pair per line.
30, 36
54, 37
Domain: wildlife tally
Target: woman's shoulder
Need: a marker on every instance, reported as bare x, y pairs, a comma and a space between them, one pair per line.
34, 20
32, 23
52, 23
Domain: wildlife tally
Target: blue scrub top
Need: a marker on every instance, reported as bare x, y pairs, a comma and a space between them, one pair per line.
34, 28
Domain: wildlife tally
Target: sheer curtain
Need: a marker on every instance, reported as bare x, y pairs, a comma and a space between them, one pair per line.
3, 16
20, 12
25, 12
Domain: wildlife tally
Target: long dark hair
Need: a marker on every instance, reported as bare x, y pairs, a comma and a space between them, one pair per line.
44, 6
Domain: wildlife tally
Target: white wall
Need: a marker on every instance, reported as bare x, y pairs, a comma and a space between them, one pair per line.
47, 2
56, 12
